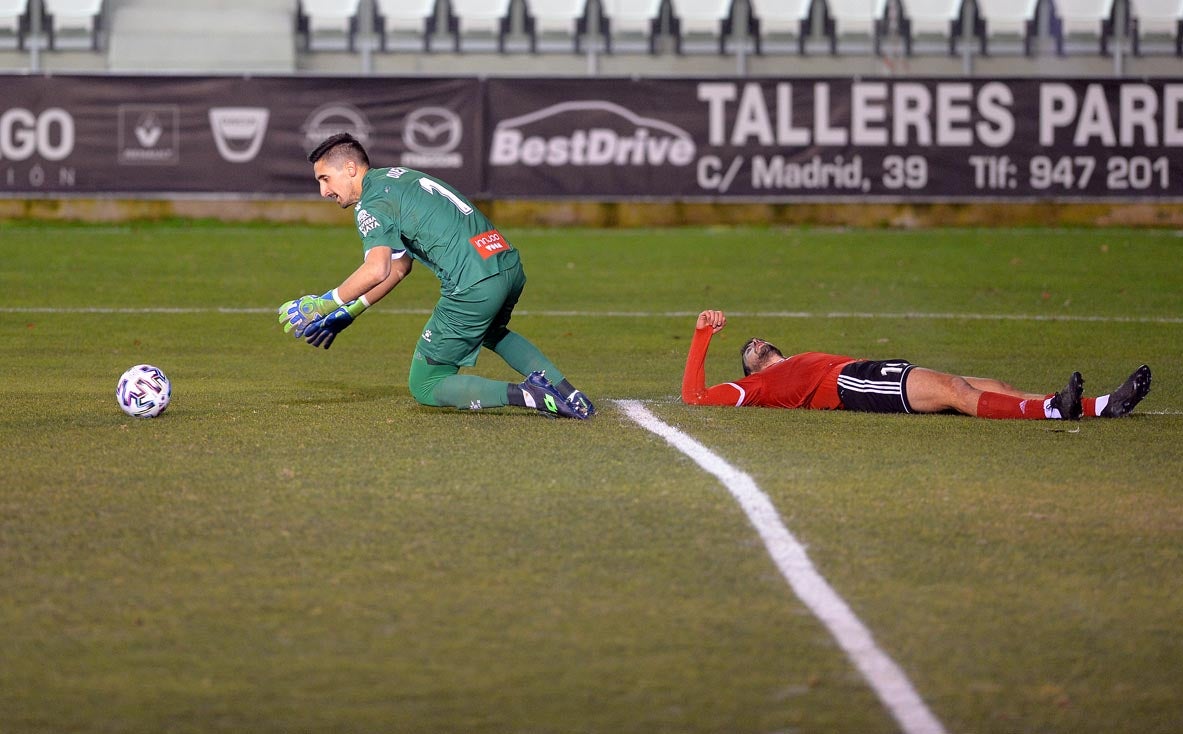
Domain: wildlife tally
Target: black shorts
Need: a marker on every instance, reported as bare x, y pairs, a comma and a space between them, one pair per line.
875, 387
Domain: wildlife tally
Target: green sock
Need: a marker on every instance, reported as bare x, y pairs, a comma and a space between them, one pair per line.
519, 353
471, 392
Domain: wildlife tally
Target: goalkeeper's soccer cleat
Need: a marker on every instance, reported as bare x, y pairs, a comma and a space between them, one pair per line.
1068, 400
580, 402
541, 395
1123, 400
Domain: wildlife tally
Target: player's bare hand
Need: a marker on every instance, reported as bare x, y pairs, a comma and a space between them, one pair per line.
714, 319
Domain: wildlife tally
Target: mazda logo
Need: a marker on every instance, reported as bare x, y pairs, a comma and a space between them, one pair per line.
432, 130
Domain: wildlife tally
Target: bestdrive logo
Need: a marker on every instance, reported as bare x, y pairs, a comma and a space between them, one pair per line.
589, 133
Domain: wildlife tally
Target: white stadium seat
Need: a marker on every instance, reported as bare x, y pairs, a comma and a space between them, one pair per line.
1084, 16
631, 18
856, 16
14, 18
415, 17
1158, 18
556, 15
1094, 18
331, 18
83, 16
780, 17
478, 18
862, 18
1009, 18
11, 12
702, 17
565, 18
934, 18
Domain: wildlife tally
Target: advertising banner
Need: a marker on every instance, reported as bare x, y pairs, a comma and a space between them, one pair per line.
838, 138
769, 139
250, 136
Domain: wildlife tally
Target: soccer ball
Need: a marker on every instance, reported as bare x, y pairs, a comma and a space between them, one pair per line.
143, 391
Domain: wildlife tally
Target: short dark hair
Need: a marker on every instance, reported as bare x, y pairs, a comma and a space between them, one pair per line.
343, 146
743, 351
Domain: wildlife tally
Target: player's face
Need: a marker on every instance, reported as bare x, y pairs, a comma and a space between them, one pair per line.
758, 354
338, 183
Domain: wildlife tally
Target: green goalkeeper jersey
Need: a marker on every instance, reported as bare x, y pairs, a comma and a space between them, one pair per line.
409, 211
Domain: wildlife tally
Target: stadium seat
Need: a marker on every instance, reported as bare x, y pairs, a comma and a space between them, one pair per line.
413, 17
892, 23
1009, 18
335, 19
85, 16
472, 19
1153, 19
567, 19
855, 16
772, 18
630, 18
1093, 18
940, 19
14, 18
711, 18
862, 18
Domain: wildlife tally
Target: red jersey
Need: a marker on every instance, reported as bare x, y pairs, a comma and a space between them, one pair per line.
806, 380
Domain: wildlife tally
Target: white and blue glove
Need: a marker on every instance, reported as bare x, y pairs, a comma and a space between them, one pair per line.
321, 332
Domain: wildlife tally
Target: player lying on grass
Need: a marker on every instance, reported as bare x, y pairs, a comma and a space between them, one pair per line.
833, 382
403, 216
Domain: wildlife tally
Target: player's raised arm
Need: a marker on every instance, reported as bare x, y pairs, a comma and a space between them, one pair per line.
714, 319
694, 389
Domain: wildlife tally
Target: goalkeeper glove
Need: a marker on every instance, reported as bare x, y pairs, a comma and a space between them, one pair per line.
322, 331
298, 314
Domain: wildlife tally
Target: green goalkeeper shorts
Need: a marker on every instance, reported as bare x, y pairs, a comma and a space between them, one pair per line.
462, 323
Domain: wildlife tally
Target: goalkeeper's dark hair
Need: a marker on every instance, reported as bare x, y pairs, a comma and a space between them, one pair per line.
338, 148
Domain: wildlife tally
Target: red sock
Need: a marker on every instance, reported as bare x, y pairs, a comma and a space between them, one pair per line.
997, 405
1090, 406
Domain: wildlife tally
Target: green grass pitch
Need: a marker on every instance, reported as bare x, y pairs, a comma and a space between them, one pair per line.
296, 546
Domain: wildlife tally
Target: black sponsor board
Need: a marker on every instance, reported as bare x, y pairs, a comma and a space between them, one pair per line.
250, 136
837, 138
741, 138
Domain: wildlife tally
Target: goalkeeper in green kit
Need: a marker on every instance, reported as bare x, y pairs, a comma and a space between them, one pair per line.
403, 216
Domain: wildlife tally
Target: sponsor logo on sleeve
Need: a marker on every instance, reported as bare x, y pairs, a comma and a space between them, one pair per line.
489, 243
366, 222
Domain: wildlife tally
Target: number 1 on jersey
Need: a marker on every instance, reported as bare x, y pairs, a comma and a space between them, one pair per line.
434, 187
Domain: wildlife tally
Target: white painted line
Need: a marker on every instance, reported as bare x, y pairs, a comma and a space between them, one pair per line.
865, 315
886, 678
